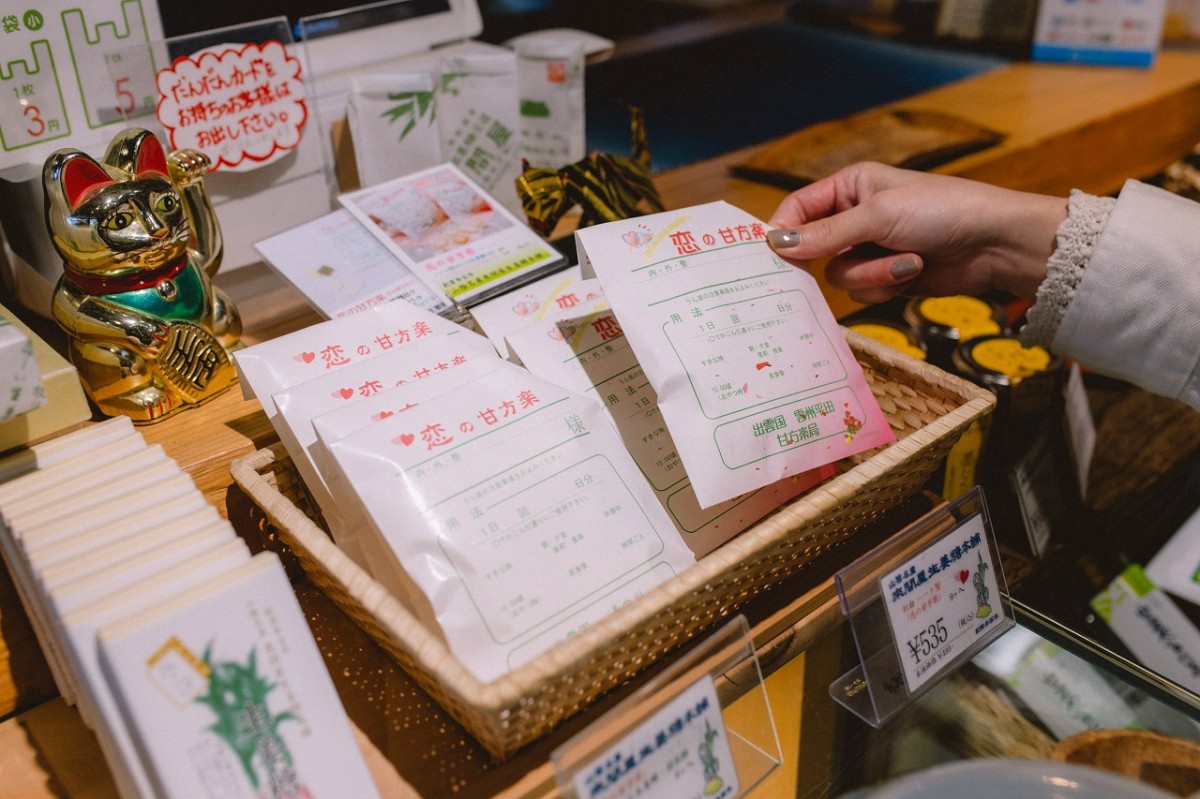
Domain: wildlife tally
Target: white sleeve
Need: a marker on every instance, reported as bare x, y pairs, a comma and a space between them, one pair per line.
1135, 309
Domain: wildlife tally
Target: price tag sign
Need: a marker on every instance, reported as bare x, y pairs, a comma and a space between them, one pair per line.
942, 601
680, 752
673, 739
920, 605
63, 81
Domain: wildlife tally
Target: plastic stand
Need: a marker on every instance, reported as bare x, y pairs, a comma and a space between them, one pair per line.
675, 736
921, 605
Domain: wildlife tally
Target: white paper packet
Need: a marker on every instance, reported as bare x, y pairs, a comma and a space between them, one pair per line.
552, 294
298, 405
77, 537
392, 118
74, 469
550, 82
479, 121
80, 629
341, 269
514, 507
590, 355
145, 540
182, 670
379, 558
292, 358
741, 347
71, 595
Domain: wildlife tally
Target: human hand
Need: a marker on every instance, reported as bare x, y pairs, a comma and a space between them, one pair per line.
892, 231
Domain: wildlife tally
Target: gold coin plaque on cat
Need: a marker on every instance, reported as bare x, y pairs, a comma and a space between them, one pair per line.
148, 331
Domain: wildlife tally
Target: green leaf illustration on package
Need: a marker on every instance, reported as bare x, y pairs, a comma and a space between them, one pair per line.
411, 107
237, 694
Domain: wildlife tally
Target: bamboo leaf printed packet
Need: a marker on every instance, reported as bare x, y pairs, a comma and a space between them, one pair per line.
741, 347
517, 511
588, 353
228, 696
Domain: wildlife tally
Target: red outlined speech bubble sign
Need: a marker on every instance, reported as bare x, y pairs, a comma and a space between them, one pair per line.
241, 105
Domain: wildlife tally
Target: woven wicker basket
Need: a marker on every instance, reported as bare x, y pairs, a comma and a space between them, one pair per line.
926, 407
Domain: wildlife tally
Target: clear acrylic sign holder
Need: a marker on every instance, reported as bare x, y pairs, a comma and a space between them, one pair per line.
679, 730
133, 70
920, 606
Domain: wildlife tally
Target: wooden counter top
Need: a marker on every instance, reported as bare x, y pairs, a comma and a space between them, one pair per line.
1066, 127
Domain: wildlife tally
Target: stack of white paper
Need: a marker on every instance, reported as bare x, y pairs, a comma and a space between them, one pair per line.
512, 505
394, 443
137, 541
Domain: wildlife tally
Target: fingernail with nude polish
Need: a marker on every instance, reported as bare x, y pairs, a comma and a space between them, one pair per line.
783, 237
906, 268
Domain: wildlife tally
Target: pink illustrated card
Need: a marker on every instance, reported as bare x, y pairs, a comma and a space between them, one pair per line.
754, 377
452, 235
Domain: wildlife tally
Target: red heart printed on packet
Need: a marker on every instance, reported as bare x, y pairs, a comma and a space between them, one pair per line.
307, 357
404, 438
383, 415
963, 576
345, 393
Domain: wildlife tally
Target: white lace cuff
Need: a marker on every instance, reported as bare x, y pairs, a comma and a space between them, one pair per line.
1076, 237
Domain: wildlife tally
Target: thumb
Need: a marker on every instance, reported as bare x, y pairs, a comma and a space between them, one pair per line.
827, 236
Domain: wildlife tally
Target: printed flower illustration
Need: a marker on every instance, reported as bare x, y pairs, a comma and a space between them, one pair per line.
853, 425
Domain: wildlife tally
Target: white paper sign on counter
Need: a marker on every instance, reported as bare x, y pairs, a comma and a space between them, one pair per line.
341, 269
741, 347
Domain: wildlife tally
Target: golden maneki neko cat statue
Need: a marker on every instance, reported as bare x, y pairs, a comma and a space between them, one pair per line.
148, 331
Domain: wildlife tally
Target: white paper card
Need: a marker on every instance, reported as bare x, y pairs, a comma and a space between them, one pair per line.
942, 601
1152, 626
1176, 567
451, 234
1116, 32
341, 269
514, 507
741, 347
680, 752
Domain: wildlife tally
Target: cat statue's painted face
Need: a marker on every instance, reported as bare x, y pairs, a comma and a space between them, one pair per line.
121, 215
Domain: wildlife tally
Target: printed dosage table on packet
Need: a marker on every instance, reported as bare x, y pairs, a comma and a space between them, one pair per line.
752, 372
587, 352
516, 511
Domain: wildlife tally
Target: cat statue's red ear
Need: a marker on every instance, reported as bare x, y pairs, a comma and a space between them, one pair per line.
136, 151
150, 156
78, 174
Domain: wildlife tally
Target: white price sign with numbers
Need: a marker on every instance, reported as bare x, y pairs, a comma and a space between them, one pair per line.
941, 601
68, 76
